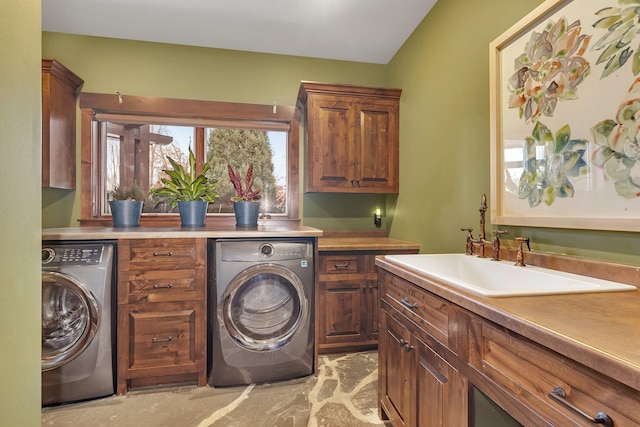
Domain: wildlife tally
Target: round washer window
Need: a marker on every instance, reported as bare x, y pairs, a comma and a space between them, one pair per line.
69, 319
264, 307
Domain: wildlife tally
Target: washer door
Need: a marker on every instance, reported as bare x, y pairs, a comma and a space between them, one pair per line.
264, 307
70, 316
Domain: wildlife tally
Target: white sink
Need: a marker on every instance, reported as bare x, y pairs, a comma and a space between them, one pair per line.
502, 278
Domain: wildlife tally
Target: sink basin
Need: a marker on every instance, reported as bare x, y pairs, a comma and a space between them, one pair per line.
502, 278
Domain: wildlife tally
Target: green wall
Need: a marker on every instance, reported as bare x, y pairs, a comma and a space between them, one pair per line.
20, 275
172, 71
443, 70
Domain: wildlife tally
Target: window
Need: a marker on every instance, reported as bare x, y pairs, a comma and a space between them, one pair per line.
130, 145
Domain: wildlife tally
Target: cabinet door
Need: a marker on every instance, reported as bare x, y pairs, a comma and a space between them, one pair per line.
441, 391
395, 375
331, 148
341, 308
377, 155
371, 309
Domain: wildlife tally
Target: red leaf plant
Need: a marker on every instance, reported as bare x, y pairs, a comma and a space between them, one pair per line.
246, 195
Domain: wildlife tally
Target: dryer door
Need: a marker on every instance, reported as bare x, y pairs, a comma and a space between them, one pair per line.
70, 316
264, 307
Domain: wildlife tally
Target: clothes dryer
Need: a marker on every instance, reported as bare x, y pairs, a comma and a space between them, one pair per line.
261, 310
77, 330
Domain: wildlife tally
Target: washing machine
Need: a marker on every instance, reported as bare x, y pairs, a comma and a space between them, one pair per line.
261, 325
77, 321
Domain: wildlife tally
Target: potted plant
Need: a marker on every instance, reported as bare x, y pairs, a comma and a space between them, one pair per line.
126, 205
246, 203
191, 192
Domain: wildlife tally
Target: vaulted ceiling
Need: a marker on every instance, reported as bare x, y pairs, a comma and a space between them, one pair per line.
352, 30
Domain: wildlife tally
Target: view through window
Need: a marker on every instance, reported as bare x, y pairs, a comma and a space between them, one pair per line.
136, 153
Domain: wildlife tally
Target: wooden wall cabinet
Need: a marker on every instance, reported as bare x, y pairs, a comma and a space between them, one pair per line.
352, 138
161, 312
348, 299
60, 88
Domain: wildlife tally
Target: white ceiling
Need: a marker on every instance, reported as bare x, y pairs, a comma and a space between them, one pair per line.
352, 30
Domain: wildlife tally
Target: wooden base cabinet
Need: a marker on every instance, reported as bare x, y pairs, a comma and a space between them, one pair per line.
348, 300
417, 386
161, 312
433, 352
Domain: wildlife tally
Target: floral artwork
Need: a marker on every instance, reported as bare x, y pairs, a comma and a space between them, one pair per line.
547, 177
567, 126
618, 147
550, 69
622, 27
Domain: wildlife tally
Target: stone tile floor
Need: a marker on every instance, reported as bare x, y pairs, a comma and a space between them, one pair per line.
344, 394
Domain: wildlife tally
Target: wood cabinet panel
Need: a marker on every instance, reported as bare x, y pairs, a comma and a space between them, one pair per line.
352, 140
455, 348
342, 314
161, 312
60, 87
160, 338
348, 300
531, 371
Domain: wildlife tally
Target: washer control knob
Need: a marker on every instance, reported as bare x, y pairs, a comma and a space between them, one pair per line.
48, 255
266, 249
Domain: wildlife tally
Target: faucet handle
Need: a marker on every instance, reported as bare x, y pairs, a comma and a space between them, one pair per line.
496, 233
469, 244
520, 254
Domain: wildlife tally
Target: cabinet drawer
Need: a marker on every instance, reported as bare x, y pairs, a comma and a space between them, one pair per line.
341, 264
161, 338
162, 286
531, 372
430, 312
169, 254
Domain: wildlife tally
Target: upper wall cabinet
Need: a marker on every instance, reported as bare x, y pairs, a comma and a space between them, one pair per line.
60, 88
352, 138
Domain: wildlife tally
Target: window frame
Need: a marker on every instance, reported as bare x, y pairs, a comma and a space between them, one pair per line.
195, 111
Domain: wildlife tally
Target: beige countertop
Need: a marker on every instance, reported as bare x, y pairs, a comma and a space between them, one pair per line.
598, 330
365, 243
217, 232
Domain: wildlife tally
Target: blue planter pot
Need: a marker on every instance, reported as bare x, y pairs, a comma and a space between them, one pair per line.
193, 213
246, 213
126, 213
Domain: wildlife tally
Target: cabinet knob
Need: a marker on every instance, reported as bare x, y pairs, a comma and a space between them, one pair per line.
402, 342
408, 347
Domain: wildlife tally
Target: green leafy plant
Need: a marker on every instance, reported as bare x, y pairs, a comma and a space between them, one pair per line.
133, 192
183, 186
246, 195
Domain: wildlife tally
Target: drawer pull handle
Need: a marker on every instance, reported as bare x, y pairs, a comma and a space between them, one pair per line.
169, 286
342, 266
559, 395
156, 340
163, 254
406, 303
408, 347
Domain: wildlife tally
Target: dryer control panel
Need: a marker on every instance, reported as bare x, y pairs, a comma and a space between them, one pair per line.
72, 255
